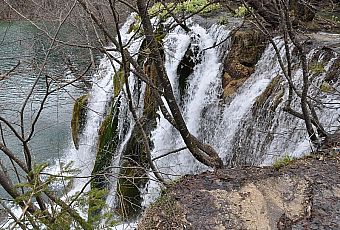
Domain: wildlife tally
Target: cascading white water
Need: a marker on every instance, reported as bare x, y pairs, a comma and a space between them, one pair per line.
202, 93
236, 111
206, 117
101, 95
295, 142
224, 127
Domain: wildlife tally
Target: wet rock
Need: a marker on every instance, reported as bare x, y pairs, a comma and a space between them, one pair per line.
185, 68
3, 216
239, 65
134, 164
78, 118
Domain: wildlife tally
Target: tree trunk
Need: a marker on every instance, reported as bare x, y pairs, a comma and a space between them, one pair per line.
201, 152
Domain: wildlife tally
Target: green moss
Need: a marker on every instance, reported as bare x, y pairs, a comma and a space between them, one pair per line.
131, 178
107, 144
159, 10
78, 118
192, 6
242, 11
326, 88
284, 161
317, 68
136, 27
189, 6
223, 20
150, 104
118, 82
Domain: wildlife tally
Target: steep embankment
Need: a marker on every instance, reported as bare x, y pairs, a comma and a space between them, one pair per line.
302, 195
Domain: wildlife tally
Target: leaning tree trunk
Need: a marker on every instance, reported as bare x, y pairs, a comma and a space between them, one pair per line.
203, 153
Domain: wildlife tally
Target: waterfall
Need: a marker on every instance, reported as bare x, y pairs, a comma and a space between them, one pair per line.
267, 132
251, 128
202, 91
243, 131
101, 95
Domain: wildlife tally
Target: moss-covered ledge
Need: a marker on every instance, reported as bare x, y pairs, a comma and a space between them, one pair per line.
303, 194
79, 118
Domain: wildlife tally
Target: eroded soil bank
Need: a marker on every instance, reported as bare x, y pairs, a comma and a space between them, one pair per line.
305, 194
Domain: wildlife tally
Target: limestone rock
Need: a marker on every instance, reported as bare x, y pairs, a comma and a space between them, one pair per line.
78, 118
246, 49
302, 195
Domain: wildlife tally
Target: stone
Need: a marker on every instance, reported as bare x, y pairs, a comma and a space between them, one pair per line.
302, 195
238, 64
78, 118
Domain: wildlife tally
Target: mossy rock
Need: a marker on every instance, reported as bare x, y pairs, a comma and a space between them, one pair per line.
132, 176
134, 163
238, 64
185, 68
107, 144
118, 82
79, 118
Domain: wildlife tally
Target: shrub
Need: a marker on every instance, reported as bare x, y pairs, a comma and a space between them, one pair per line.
242, 11
189, 6
317, 68
284, 161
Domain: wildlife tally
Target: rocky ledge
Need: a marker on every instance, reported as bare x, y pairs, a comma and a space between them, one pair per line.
304, 194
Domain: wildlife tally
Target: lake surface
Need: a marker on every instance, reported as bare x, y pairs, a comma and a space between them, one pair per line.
20, 41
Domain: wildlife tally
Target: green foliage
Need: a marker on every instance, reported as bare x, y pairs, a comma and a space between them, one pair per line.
223, 20
60, 217
158, 9
161, 11
34, 187
242, 11
189, 6
284, 161
317, 68
78, 118
136, 26
118, 82
192, 6
326, 88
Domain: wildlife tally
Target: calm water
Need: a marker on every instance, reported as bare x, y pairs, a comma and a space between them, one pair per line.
20, 41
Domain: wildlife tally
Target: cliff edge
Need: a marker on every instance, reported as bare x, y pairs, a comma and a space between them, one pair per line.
303, 194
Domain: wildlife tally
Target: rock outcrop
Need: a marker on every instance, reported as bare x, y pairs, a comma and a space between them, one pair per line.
302, 195
79, 118
239, 65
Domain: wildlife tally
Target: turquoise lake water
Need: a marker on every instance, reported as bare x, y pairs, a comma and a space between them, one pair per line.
20, 41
